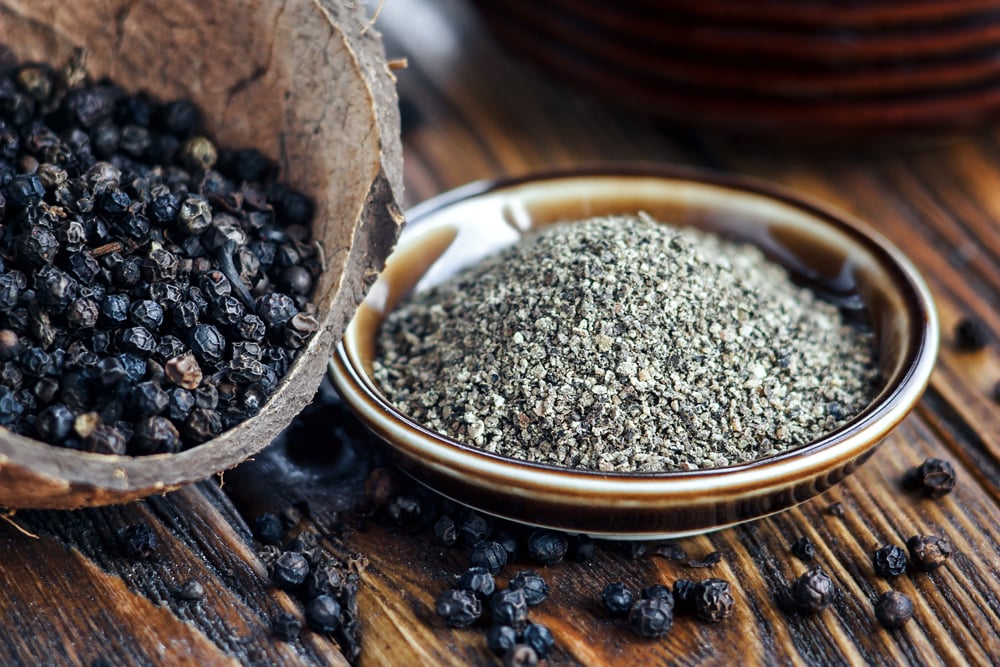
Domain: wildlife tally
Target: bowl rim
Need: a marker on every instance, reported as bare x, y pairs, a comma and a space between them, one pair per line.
849, 441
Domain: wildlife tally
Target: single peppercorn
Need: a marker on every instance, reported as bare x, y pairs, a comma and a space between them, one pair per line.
813, 591
651, 617
547, 547
803, 549
326, 578
893, 609
534, 586
267, 529
520, 655
489, 555
473, 528
323, 613
684, 592
445, 531
54, 423
934, 478
500, 638
712, 600
928, 552
509, 607
154, 435
479, 580
286, 626
889, 561
139, 541
538, 637
289, 570
458, 607
657, 591
617, 599
971, 334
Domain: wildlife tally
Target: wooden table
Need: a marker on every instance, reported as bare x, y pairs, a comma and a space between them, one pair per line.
70, 595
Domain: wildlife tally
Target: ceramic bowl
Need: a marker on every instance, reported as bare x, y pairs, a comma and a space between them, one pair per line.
823, 247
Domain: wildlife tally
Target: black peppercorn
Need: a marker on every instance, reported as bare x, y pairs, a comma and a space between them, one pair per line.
154, 435
971, 334
11, 407
934, 478
105, 439
148, 399
889, 561
488, 554
323, 613
538, 637
267, 529
445, 531
893, 609
325, 579
813, 591
617, 598
473, 528
684, 592
547, 547
500, 638
803, 549
657, 591
207, 343
479, 580
534, 586
275, 310
651, 617
289, 570
712, 600
54, 423
928, 552
509, 607
139, 541
581, 548
201, 425
137, 340
458, 607
286, 626
192, 591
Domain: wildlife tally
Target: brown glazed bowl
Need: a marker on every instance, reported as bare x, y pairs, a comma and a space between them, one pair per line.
304, 81
818, 245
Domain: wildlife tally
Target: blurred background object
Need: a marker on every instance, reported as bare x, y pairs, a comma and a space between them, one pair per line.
793, 66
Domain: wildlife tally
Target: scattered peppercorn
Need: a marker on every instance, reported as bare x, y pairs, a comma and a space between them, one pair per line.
712, 600
538, 637
670, 551
289, 570
803, 549
479, 580
509, 607
474, 528
934, 478
617, 598
547, 547
534, 587
489, 555
928, 552
458, 607
893, 609
889, 561
323, 613
971, 334
651, 617
139, 541
657, 591
710, 560
813, 591
520, 655
268, 529
286, 626
191, 591
445, 531
684, 591
500, 638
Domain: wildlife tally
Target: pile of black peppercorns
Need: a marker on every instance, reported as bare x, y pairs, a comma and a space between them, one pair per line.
153, 288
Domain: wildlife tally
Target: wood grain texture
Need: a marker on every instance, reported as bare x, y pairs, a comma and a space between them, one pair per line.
471, 111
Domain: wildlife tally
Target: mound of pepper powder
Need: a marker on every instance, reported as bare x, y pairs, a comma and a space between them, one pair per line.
154, 289
622, 344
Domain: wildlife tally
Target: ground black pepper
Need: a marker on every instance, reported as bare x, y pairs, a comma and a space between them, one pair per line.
889, 561
813, 591
928, 552
117, 221
934, 478
893, 609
